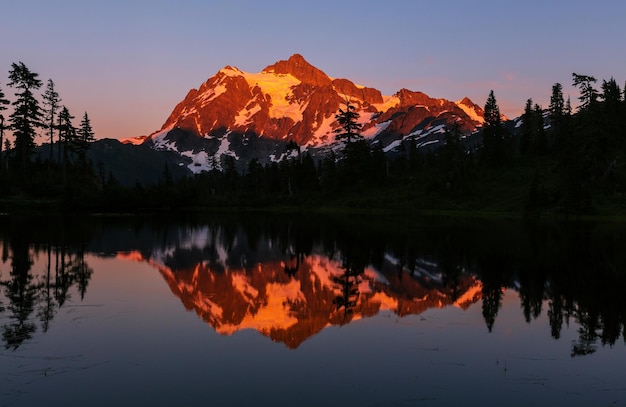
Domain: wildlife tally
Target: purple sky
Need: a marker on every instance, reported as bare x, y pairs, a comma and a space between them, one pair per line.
128, 63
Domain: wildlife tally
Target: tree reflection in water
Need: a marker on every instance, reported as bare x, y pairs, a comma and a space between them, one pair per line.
26, 292
574, 272
348, 285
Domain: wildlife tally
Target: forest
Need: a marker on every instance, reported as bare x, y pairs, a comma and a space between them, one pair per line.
553, 162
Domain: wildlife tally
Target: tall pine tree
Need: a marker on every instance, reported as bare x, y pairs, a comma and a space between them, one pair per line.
3, 103
85, 136
67, 133
51, 102
494, 142
356, 151
588, 94
527, 129
540, 143
26, 117
558, 115
348, 122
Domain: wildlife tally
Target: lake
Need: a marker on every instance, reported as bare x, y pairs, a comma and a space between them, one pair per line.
303, 310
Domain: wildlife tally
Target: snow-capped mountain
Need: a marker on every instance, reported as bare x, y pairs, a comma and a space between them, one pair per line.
254, 115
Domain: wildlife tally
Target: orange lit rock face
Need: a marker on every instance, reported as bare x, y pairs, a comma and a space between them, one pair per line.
292, 301
297, 66
293, 100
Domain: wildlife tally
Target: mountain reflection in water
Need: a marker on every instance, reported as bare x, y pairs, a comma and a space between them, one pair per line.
290, 277
290, 303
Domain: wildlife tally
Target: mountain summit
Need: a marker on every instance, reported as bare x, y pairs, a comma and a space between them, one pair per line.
254, 115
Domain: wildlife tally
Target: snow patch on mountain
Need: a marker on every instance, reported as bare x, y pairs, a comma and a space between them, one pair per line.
393, 145
324, 134
224, 149
376, 129
160, 142
245, 116
388, 103
199, 161
278, 88
134, 140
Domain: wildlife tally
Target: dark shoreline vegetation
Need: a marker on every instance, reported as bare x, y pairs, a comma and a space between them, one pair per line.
553, 163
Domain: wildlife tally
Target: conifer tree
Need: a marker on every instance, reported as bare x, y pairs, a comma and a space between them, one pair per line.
494, 146
356, 151
26, 117
526, 128
51, 102
558, 115
348, 120
3, 103
585, 149
588, 95
84, 138
611, 96
612, 122
67, 132
557, 103
540, 142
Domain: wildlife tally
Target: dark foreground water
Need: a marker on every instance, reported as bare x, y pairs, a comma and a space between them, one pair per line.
305, 311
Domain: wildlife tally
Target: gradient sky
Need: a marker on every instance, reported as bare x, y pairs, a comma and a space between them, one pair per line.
128, 63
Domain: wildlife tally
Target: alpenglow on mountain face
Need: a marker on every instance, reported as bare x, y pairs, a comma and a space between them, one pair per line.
253, 116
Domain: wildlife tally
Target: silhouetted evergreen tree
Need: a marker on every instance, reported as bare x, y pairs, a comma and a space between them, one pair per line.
583, 148
3, 103
598, 129
558, 114
527, 129
83, 139
588, 94
26, 117
540, 146
557, 103
51, 102
494, 135
67, 133
568, 107
349, 126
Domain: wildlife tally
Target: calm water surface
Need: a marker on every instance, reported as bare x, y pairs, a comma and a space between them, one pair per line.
302, 311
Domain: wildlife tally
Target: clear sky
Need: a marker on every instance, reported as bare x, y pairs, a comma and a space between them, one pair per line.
128, 63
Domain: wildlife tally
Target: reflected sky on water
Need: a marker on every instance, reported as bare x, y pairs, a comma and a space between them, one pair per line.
292, 311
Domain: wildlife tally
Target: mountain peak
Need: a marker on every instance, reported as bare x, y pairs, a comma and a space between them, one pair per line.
301, 69
467, 102
254, 115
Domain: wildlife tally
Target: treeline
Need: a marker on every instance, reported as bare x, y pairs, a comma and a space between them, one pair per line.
65, 172
554, 161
